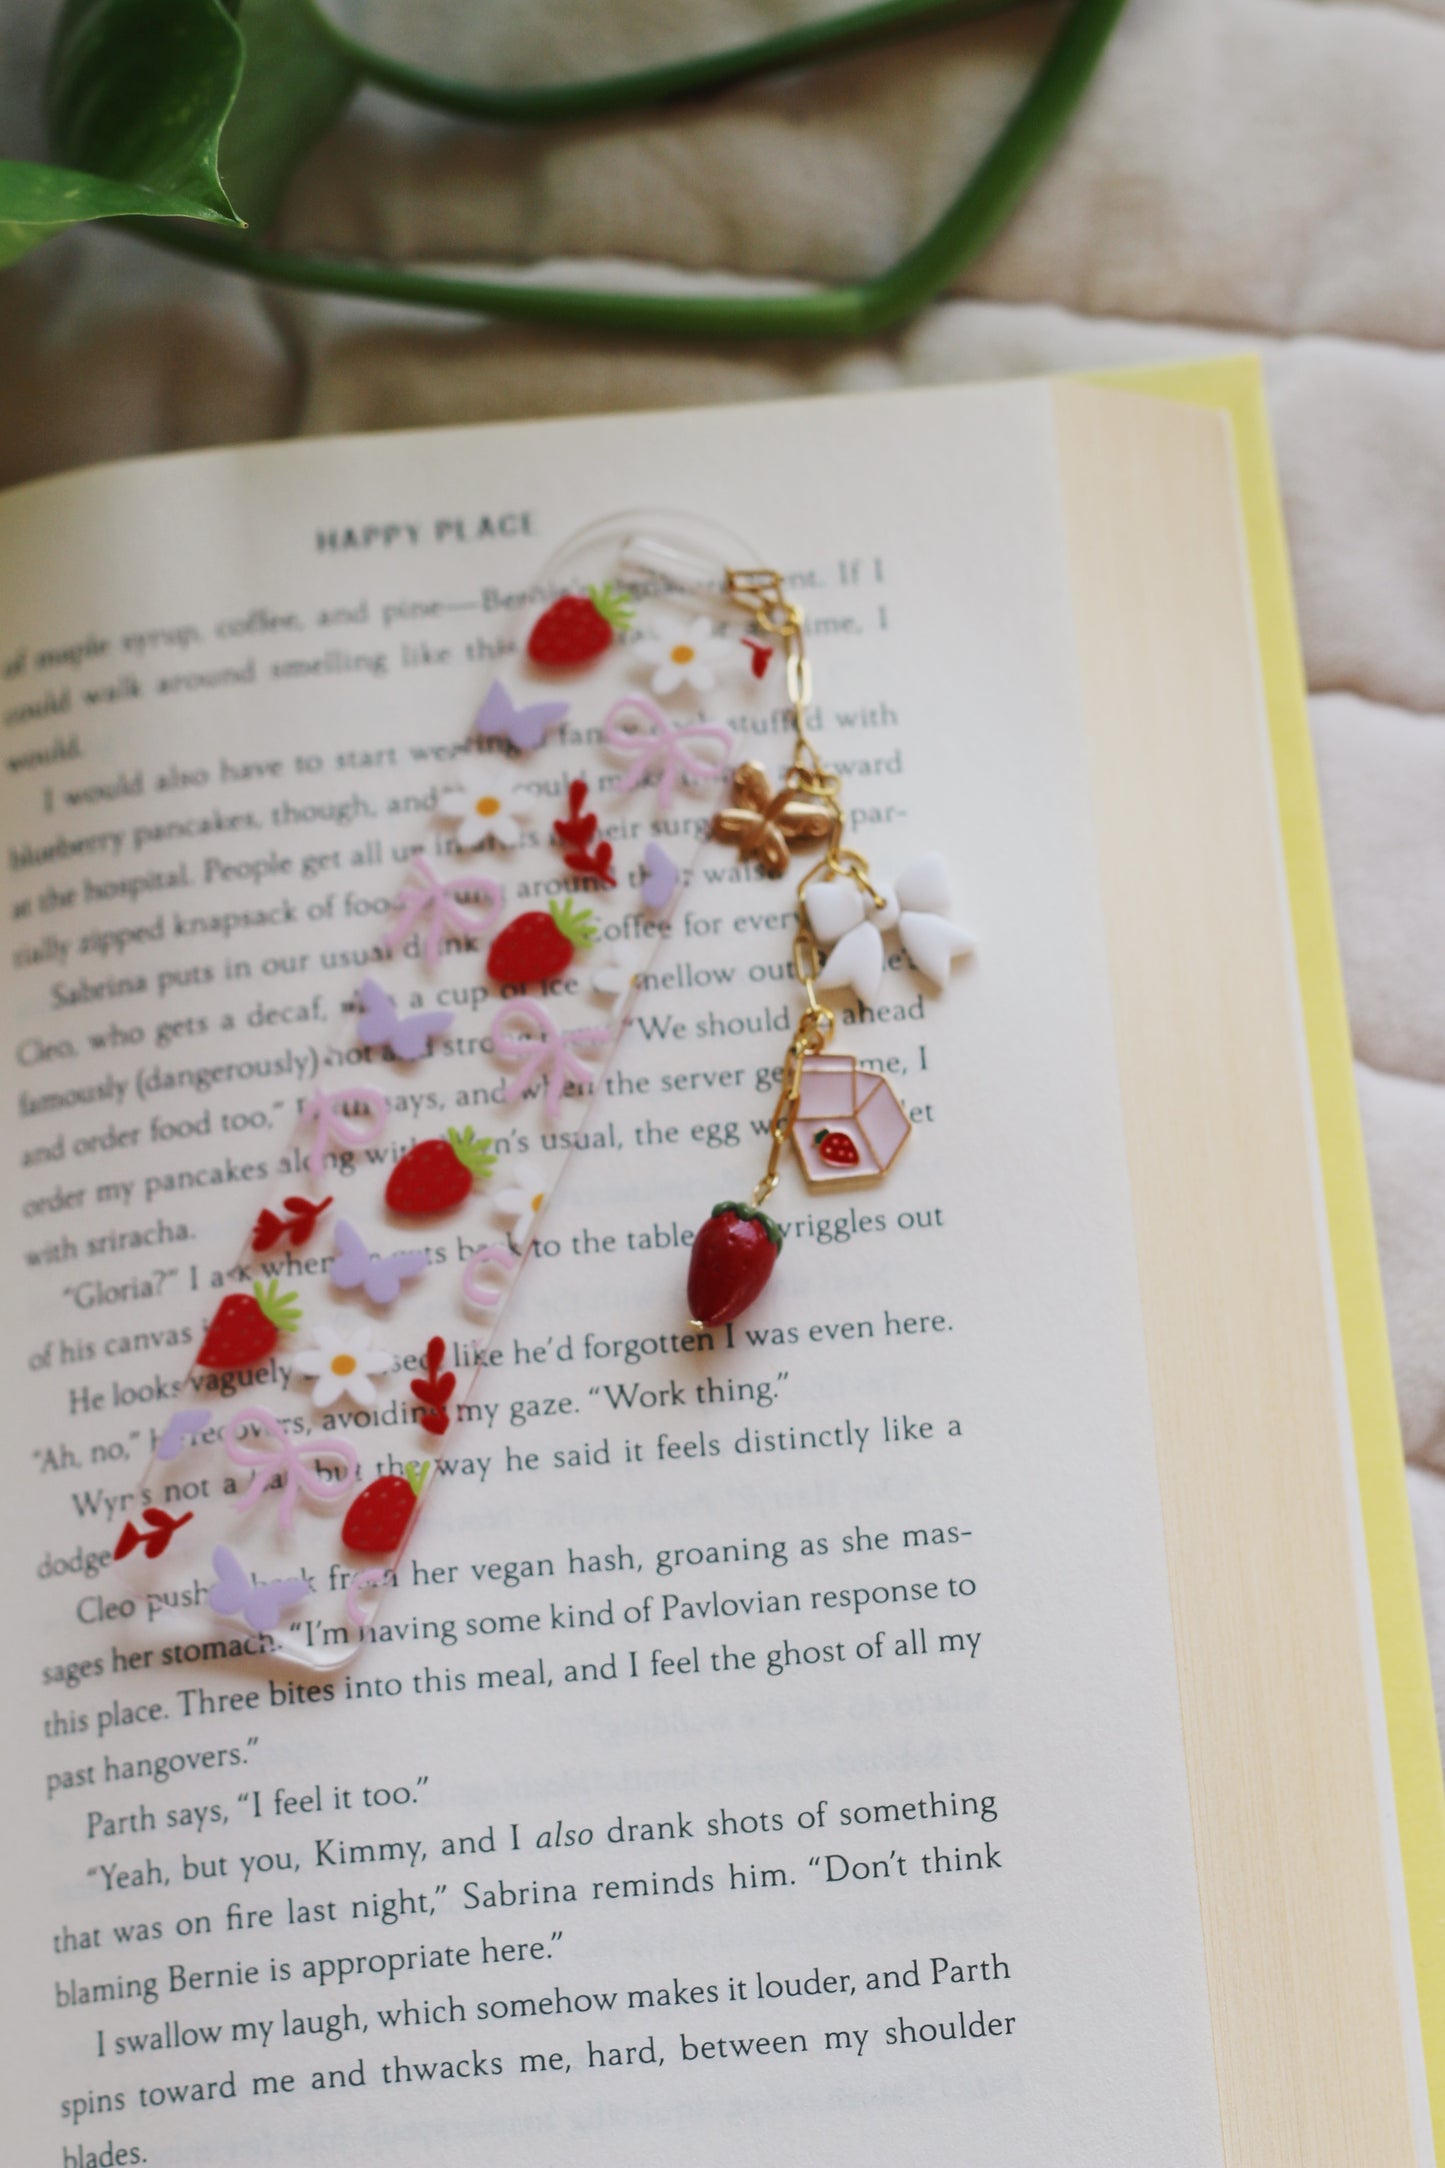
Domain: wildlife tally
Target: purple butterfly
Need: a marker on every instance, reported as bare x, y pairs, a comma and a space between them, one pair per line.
407, 1036
500, 717
379, 1278
260, 1603
660, 877
182, 1425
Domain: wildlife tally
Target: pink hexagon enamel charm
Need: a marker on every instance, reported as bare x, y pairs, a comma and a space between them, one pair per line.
849, 1126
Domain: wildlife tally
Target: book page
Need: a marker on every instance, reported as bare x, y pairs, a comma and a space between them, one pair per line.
773, 1740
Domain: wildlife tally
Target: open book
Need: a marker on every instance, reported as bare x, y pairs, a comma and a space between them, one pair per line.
970, 1708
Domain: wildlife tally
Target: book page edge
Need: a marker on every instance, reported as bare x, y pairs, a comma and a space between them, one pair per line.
1234, 386
1305, 1998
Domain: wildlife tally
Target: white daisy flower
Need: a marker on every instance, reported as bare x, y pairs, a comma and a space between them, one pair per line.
518, 1204
483, 817
344, 1365
614, 968
689, 658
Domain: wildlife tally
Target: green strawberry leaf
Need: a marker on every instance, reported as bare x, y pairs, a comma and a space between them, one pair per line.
282, 1311
475, 1153
769, 1226
573, 921
613, 603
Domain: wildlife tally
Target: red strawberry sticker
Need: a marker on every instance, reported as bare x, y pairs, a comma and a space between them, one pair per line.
437, 1175
575, 629
761, 655
835, 1148
161, 1526
733, 1255
436, 1388
295, 1230
378, 1517
541, 944
245, 1329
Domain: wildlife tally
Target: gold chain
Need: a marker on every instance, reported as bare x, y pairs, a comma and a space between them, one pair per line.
760, 592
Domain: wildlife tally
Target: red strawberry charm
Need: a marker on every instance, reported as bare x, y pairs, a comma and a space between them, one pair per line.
575, 629
733, 1255
835, 1148
245, 1329
378, 1517
541, 944
437, 1175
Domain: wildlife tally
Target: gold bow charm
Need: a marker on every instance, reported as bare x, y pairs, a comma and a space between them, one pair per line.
765, 824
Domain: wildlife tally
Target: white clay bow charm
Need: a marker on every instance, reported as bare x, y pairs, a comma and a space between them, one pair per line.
851, 927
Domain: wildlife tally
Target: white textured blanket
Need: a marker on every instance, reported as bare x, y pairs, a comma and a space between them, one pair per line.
1245, 172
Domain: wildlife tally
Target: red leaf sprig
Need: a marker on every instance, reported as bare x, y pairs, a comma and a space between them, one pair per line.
575, 829
295, 1230
575, 832
161, 1525
436, 1388
596, 864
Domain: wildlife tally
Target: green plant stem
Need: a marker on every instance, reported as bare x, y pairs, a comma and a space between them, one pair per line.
859, 310
805, 42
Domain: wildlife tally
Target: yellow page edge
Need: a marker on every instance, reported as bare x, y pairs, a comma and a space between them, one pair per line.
1235, 387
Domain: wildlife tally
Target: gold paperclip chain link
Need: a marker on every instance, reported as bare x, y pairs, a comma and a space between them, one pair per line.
776, 617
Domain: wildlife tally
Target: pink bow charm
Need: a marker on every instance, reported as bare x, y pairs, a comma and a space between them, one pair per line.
424, 895
637, 731
369, 1577
543, 1050
295, 1462
474, 1289
332, 1127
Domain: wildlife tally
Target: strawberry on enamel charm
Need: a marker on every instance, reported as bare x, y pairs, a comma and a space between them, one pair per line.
733, 1255
246, 1328
850, 1124
575, 629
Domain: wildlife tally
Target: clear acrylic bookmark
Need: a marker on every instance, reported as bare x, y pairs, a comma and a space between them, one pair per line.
375, 1268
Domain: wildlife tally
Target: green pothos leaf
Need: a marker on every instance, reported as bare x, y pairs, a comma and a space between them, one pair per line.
137, 90
295, 84
38, 201
136, 94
